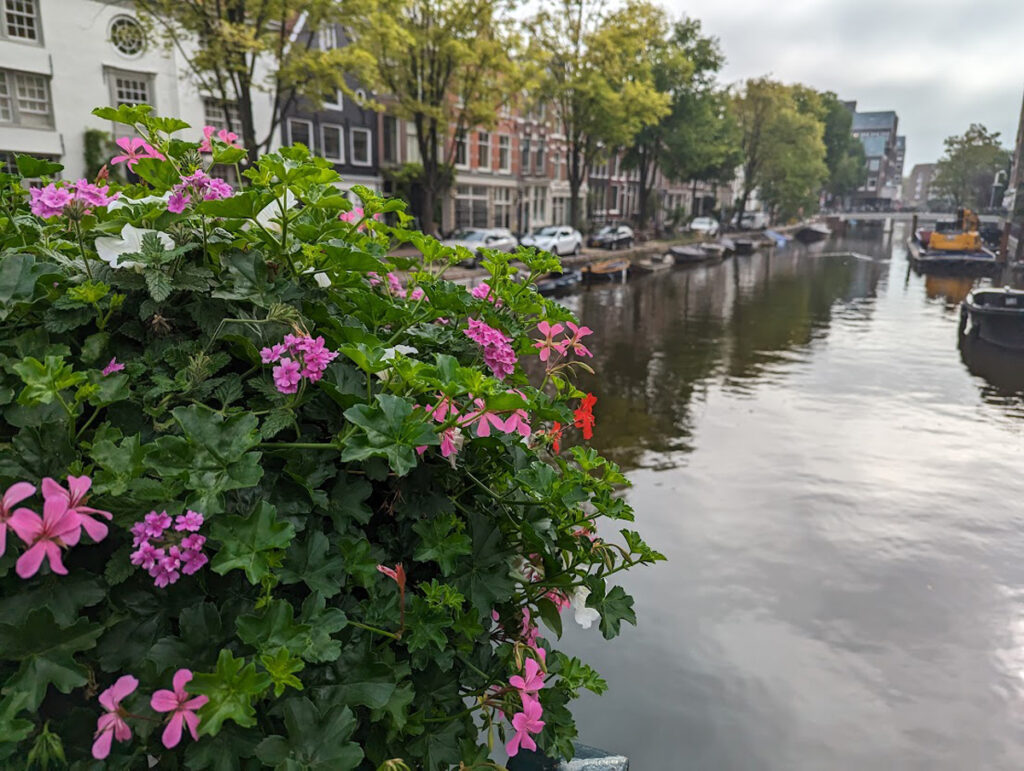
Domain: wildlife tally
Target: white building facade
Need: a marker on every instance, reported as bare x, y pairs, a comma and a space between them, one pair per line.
61, 58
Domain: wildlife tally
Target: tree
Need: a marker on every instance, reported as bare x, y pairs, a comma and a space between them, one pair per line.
238, 48
844, 153
781, 139
966, 170
594, 69
696, 138
446, 66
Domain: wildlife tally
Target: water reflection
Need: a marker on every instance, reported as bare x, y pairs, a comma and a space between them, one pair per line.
838, 489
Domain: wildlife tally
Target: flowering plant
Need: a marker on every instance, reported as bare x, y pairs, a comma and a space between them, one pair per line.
272, 498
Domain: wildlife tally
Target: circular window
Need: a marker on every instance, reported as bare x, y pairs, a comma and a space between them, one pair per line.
360, 95
127, 36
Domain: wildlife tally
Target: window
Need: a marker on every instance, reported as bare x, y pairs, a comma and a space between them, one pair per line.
334, 101
127, 36
502, 207
21, 20
332, 142
461, 152
538, 161
222, 115
540, 201
361, 155
873, 164
360, 95
524, 161
412, 145
25, 99
872, 183
130, 88
327, 37
504, 153
300, 131
389, 150
483, 150
470, 206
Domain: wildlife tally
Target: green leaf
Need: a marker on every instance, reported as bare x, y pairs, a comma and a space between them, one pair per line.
487, 583
550, 616
19, 275
44, 380
282, 666
160, 174
232, 688
13, 728
32, 168
251, 543
64, 596
310, 563
348, 501
228, 155
315, 741
46, 652
615, 607
347, 258
239, 206
129, 115
443, 542
223, 752
391, 432
158, 284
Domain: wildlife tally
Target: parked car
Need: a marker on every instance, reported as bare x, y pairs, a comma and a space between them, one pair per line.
612, 237
707, 226
753, 220
475, 239
557, 239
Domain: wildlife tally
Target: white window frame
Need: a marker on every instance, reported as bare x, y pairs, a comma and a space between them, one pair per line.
36, 18
480, 144
463, 145
113, 73
338, 103
312, 134
327, 37
11, 85
341, 142
215, 113
507, 140
352, 146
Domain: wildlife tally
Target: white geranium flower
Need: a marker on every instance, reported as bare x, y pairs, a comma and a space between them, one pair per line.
584, 616
111, 248
389, 355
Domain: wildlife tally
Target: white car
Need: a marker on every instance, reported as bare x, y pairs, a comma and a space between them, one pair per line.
706, 225
499, 239
557, 239
753, 220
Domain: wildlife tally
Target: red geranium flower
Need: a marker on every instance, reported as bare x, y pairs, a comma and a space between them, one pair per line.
584, 415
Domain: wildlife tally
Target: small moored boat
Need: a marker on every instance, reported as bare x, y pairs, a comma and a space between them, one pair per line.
714, 251
605, 270
994, 315
746, 245
652, 264
554, 283
813, 233
686, 255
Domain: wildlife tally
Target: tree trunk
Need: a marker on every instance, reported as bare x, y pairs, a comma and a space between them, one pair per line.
575, 182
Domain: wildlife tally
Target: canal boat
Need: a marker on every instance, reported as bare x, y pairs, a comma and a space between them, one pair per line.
686, 255
973, 262
746, 245
994, 315
715, 250
556, 283
729, 245
651, 264
605, 270
813, 233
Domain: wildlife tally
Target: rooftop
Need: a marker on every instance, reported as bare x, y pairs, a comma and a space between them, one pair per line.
874, 121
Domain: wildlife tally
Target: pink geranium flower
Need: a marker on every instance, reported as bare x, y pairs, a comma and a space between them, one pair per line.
532, 681
549, 344
484, 420
112, 367
287, 375
78, 489
10, 516
112, 725
578, 333
526, 722
45, 536
48, 201
181, 706
135, 150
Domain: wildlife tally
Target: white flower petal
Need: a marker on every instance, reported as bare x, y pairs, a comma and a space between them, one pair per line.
111, 249
584, 616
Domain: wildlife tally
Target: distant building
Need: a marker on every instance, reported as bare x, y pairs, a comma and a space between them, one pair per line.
884, 150
917, 192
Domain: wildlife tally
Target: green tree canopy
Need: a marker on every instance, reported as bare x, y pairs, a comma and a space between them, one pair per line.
967, 169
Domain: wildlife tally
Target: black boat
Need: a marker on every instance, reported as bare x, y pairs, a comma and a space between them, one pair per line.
714, 251
813, 233
746, 245
687, 255
555, 283
994, 315
979, 262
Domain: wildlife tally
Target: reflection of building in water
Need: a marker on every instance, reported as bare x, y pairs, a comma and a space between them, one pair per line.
952, 289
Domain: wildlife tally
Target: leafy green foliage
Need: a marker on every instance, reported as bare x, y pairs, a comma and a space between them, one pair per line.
359, 539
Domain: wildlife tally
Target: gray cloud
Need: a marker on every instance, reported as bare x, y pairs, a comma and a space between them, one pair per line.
941, 66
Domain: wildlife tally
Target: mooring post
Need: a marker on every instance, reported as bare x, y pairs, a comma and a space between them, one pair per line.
913, 226
1004, 241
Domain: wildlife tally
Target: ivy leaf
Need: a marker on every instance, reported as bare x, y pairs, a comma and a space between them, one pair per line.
232, 687
63, 598
251, 543
348, 501
615, 607
487, 583
391, 432
120, 463
274, 627
316, 741
310, 563
443, 542
323, 622
46, 652
282, 666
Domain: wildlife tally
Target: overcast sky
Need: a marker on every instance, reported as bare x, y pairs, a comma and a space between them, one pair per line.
941, 65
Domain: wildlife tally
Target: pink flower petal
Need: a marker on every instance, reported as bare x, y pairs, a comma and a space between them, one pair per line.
172, 734
101, 747
16, 493
181, 678
164, 701
29, 562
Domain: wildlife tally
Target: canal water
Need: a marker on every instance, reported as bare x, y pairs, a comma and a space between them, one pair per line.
840, 493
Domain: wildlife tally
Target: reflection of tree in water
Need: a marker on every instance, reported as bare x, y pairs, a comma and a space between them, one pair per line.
660, 340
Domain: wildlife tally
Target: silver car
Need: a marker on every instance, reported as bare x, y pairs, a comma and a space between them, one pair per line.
475, 239
560, 240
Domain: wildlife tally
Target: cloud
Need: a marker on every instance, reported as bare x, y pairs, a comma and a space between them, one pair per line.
940, 66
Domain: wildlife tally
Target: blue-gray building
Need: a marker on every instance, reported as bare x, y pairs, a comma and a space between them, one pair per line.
884, 149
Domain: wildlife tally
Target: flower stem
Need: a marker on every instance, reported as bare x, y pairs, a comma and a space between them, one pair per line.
369, 628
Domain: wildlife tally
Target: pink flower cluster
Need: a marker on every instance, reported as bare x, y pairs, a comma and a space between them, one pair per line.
113, 724
561, 347
135, 150
395, 288
50, 201
446, 411
176, 552
200, 185
230, 138
65, 515
498, 354
483, 291
298, 357
528, 721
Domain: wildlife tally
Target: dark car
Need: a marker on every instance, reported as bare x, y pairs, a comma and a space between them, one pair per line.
612, 237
